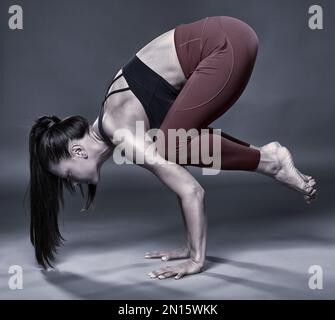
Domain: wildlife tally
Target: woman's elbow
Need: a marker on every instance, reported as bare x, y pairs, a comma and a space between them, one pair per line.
193, 191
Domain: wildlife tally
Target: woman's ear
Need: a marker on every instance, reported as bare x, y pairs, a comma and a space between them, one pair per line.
79, 151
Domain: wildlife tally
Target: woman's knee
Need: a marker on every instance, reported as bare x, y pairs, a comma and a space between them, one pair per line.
253, 42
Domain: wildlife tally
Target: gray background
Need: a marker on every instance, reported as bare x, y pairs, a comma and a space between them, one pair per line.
262, 237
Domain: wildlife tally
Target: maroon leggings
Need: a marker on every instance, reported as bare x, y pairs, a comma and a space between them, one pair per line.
217, 55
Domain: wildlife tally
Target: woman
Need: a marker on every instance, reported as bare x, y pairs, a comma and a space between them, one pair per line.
184, 79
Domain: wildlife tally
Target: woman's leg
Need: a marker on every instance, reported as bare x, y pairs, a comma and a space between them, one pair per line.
229, 137
228, 52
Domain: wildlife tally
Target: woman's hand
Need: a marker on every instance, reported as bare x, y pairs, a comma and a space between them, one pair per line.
179, 253
178, 271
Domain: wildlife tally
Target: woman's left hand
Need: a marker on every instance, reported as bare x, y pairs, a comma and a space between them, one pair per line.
178, 271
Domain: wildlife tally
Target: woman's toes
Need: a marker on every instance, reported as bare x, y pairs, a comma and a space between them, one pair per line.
309, 178
311, 197
313, 193
308, 189
312, 183
308, 201
306, 177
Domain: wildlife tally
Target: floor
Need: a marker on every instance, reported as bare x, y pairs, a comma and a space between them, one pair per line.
262, 239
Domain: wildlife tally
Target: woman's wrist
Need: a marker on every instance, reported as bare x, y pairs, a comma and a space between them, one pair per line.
198, 262
198, 256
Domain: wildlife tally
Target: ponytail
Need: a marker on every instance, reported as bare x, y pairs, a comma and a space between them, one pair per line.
48, 141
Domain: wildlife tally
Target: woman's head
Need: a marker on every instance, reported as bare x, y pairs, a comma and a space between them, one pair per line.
60, 156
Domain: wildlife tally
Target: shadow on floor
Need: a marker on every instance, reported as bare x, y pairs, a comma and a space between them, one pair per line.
84, 287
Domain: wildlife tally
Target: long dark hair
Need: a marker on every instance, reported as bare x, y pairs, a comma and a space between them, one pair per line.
48, 141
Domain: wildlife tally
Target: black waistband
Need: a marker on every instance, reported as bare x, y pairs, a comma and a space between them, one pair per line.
138, 70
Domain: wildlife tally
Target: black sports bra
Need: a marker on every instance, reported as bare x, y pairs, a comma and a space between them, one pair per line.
153, 91
101, 129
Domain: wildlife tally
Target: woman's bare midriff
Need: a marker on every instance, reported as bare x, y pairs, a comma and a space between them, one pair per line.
123, 109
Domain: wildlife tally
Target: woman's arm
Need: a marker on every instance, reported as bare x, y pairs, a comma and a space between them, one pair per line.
191, 197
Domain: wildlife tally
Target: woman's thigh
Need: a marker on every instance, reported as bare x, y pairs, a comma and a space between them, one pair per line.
229, 49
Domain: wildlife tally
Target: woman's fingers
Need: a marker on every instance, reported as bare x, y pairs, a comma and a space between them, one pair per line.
166, 255
179, 270
166, 274
153, 254
179, 275
161, 271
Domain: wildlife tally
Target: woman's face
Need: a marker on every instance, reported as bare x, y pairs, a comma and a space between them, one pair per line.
77, 169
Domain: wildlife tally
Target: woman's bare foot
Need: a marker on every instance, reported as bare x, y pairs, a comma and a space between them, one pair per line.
276, 161
277, 144
179, 253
